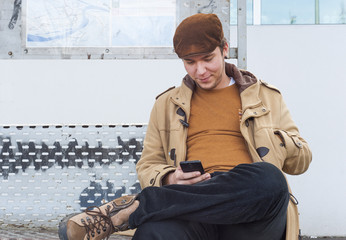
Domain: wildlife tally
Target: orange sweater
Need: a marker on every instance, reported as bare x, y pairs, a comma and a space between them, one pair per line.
214, 133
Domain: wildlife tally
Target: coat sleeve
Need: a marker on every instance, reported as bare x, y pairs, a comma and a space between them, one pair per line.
298, 153
153, 166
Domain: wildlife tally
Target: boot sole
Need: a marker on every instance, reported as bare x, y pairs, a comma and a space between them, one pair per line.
63, 226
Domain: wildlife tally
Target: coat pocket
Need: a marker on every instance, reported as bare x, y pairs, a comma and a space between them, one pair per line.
291, 142
270, 147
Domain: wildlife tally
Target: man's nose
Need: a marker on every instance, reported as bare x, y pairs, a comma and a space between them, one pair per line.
200, 68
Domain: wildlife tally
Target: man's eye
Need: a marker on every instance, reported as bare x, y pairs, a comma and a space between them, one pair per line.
208, 59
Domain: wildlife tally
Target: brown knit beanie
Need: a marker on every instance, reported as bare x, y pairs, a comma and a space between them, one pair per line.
198, 34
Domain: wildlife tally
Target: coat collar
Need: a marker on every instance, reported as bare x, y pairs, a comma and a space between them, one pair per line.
242, 78
249, 89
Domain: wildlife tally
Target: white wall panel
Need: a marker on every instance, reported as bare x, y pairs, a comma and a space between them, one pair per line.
306, 62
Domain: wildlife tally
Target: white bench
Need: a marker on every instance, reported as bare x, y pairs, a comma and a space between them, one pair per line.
47, 172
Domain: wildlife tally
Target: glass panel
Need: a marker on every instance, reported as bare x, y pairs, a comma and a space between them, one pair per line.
333, 11
249, 12
102, 23
288, 12
143, 22
94, 29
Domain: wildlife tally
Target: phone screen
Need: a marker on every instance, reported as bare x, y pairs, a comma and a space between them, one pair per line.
192, 166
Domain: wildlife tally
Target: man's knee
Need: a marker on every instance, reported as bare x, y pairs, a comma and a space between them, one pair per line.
270, 172
272, 181
265, 178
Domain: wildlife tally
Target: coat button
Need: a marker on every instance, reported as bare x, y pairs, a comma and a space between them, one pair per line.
264, 110
152, 181
255, 113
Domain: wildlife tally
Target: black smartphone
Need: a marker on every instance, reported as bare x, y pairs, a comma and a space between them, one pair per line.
192, 166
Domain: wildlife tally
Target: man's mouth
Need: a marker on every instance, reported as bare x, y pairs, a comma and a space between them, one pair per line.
206, 79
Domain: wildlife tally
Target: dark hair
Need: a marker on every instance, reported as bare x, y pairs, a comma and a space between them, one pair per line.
222, 45
223, 42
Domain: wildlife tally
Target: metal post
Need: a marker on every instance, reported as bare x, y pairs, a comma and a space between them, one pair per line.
317, 12
242, 31
257, 12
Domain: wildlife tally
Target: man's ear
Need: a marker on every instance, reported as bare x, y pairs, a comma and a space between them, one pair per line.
225, 50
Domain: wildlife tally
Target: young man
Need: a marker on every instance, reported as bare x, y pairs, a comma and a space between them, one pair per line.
241, 131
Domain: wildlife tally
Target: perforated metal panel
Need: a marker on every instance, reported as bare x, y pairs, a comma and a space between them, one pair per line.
47, 172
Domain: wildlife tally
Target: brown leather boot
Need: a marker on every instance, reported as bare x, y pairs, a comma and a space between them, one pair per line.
98, 223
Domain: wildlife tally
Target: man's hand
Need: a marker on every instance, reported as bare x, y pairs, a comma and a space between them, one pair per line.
179, 177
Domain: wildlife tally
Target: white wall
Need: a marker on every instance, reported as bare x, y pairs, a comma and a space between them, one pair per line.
82, 91
305, 62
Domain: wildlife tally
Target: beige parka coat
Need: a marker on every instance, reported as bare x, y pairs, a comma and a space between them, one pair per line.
265, 124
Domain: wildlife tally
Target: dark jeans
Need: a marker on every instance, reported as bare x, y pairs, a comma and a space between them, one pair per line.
249, 202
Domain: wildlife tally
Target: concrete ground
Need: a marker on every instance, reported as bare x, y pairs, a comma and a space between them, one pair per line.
325, 238
17, 234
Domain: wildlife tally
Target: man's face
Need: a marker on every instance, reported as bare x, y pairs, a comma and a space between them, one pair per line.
208, 70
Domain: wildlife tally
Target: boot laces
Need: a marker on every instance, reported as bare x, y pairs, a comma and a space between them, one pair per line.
101, 222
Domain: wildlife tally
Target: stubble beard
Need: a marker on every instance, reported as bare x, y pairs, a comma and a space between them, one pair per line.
216, 82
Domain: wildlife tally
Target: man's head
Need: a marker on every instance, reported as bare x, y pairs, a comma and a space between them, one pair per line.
199, 41
198, 34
